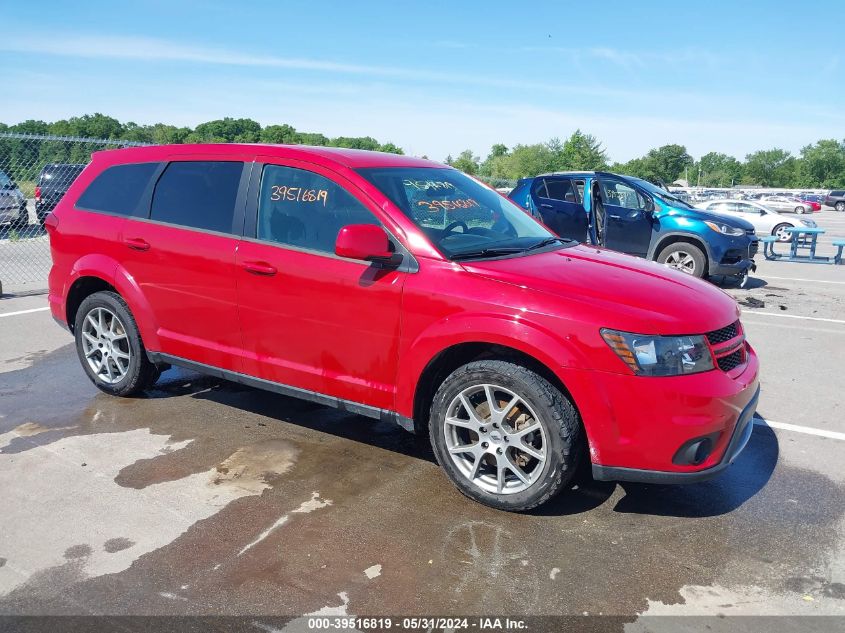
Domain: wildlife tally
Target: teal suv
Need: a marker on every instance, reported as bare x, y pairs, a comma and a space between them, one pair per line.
634, 216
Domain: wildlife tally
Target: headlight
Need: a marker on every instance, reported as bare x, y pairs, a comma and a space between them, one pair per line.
648, 355
725, 229
809, 223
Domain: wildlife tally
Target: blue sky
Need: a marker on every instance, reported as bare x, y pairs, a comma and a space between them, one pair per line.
438, 77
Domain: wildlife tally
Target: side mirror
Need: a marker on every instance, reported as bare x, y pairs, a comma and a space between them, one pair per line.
363, 241
649, 205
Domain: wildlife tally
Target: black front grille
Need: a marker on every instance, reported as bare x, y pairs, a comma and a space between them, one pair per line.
753, 248
723, 335
726, 363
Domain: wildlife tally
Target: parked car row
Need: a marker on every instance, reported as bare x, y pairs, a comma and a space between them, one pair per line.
53, 181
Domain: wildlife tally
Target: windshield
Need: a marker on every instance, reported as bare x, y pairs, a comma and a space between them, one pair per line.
463, 218
5, 181
664, 195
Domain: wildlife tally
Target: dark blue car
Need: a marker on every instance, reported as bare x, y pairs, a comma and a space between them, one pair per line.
634, 216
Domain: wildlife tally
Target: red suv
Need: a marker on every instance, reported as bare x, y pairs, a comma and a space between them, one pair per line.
403, 290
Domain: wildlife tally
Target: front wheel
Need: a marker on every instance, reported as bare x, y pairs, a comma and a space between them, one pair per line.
110, 348
780, 232
685, 257
800, 210
505, 436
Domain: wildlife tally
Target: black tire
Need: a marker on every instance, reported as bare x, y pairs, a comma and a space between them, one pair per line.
697, 255
560, 423
782, 225
839, 206
141, 373
600, 222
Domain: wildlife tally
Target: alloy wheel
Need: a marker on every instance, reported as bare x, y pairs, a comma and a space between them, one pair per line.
681, 260
782, 234
495, 439
106, 345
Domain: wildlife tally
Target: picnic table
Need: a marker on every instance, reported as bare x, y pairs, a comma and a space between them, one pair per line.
803, 239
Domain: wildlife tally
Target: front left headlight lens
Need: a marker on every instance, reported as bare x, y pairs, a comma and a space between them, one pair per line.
648, 355
725, 229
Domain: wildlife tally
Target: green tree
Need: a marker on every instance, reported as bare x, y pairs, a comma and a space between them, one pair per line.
226, 130
716, 169
280, 134
769, 168
583, 152
822, 164
466, 162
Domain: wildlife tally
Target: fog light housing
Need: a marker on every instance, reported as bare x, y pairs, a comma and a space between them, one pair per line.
695, 451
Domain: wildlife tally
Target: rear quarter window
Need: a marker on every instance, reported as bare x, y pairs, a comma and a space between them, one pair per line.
198, 194
118, 189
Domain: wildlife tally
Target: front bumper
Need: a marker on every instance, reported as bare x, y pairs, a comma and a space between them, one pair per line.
638, 424
739, 438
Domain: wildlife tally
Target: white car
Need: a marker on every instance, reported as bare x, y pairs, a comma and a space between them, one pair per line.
765, 220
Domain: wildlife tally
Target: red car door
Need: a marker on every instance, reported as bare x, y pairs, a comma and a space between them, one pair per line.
309, 318
182, 258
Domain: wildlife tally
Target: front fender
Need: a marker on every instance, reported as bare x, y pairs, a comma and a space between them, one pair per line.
559, 353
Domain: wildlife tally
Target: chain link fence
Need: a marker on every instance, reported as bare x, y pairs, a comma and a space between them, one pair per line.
35, 172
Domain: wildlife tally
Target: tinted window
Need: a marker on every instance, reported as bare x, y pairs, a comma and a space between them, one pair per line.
199, 195
560, 189
838, 194
5, 181
59, 176
301, 208
118, 189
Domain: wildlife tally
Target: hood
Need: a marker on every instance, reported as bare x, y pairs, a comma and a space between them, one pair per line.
615, 290
704, 216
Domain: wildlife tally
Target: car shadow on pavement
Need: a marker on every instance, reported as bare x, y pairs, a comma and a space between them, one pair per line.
740, 482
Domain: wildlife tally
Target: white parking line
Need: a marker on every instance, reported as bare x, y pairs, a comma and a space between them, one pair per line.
792, 316
815, 281
8, 314
808, 430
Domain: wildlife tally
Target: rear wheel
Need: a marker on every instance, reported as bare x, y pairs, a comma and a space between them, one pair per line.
505, 436
840, 206
780, 232
109, 346
685, 257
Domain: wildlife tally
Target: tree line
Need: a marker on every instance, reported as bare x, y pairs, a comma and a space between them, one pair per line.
818, 165
22, 159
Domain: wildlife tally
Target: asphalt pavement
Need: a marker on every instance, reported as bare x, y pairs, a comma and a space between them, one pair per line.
206, 497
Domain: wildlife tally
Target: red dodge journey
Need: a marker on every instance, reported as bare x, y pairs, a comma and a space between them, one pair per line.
403, 290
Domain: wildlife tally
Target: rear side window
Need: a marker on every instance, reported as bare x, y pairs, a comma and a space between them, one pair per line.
198, 194
304, 209
560, 189
118, 189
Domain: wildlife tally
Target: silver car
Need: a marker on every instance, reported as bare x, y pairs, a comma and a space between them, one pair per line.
12, 203
788, 204
764, 220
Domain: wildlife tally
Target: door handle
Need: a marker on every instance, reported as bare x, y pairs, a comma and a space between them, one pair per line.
137, 243
546, 206
260, 268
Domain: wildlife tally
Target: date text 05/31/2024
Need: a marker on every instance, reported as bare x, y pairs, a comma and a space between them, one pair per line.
350, 623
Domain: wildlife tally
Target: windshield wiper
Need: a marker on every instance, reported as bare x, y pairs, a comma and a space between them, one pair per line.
548, 242
488, 252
